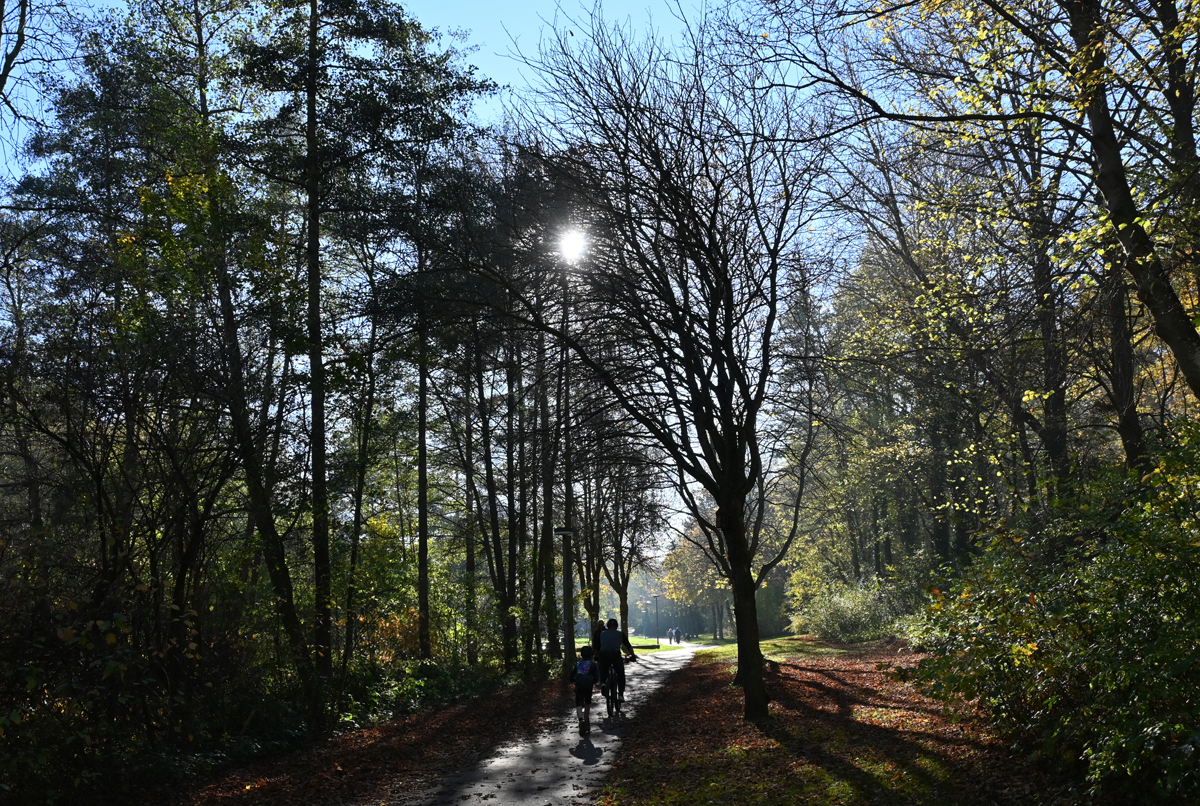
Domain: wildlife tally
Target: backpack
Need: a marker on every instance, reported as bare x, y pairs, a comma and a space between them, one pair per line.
585, 673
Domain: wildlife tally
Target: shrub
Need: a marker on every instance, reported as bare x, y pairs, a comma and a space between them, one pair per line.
1083, 638
853, 613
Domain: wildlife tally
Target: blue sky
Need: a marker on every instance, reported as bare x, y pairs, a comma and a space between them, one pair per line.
494, 24
492, 27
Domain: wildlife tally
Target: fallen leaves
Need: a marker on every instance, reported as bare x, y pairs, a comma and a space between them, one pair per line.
841, 731
401, 756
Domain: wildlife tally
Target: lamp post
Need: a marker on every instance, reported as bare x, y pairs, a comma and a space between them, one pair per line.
657, 645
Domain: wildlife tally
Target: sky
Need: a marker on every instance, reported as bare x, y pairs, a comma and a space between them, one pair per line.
494, 25
495, 28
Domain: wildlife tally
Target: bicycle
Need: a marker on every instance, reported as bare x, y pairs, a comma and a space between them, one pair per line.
612, 693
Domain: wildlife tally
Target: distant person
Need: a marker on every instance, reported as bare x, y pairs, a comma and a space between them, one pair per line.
596, 630
584, 675
612, 642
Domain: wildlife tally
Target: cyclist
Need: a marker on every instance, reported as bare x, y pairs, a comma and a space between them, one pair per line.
612, 641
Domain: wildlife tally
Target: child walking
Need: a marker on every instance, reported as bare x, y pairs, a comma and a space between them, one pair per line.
584, 675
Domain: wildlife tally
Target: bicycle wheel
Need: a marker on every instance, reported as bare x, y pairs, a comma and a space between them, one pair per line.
610, 698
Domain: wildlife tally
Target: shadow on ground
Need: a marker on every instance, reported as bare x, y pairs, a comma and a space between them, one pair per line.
840, 731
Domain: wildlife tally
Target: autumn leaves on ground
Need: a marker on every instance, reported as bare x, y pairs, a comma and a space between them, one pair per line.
842, 731
401, 756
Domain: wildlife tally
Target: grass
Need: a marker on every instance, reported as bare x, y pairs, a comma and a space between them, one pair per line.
643, 648
787, 648
841, 731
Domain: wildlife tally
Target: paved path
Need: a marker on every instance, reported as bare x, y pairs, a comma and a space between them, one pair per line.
558, 767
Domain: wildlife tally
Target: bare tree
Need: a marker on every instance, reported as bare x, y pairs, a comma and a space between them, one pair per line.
695, 195
1117, 76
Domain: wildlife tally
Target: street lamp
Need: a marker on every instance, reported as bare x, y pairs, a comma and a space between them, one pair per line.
657, 645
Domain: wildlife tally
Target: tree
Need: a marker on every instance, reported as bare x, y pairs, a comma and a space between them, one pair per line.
697, 202
693, 581
359, 89
1090, 70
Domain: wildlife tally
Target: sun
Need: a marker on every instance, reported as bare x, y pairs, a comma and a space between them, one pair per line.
572, 244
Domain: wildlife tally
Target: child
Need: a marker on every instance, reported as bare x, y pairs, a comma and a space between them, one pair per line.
584, 675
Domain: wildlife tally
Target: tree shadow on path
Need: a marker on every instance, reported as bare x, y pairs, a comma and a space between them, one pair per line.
840, 731
399, 756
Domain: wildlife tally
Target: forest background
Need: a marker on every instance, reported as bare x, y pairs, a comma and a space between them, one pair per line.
872, 321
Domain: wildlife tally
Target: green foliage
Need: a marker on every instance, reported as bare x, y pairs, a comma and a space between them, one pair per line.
851, 613
1084, 638
772, 600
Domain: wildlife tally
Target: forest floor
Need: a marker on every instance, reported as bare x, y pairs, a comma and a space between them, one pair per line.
842, 731
405, 754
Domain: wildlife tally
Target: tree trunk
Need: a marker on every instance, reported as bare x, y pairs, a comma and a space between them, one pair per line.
424, 640
322, 568
1054, 373
745, 611
365, 424
1124, 395
512, 517
568, 499
549, 455
1171, 321
469, 473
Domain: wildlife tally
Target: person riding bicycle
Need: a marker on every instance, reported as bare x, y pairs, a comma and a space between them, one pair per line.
612, 641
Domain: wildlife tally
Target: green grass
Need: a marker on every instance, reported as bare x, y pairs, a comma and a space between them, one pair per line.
786, 648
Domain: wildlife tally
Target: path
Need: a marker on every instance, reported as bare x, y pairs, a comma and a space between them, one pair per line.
558, 767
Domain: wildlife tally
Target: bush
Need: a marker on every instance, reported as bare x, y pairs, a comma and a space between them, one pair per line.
854, 613
1083, 639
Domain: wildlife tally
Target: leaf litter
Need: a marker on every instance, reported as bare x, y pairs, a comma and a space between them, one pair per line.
400, 756
842, 730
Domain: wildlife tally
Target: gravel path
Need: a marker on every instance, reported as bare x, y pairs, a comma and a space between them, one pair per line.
558, 767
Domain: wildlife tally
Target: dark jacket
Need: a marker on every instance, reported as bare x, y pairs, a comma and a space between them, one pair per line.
612, 642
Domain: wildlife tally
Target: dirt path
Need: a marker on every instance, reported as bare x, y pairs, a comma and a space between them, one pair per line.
557, 767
